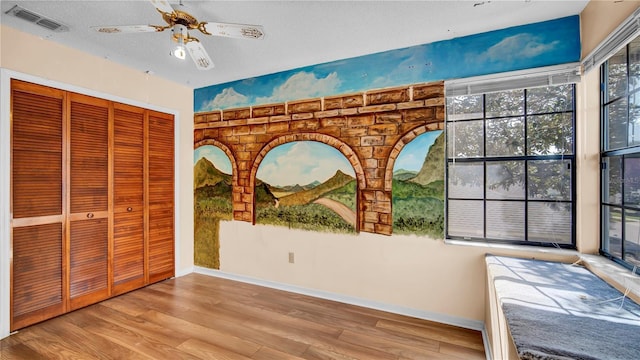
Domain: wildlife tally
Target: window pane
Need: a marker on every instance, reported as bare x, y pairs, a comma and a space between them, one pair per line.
505, 137
505, 103
634, 120
505, 220
612, 231
550, 134
549, 180
634, 64
632, 236
464, 139
550, 99
617, 75
612, 180
466, 180
505, 180
464, 107
465, 218
632, 180
616, 124
549, 222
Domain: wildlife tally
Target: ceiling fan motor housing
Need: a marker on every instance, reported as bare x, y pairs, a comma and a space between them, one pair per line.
180, 34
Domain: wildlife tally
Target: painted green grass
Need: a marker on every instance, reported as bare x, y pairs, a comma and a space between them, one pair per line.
313, 217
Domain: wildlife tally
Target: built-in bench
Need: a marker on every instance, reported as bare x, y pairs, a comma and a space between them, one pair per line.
553, 310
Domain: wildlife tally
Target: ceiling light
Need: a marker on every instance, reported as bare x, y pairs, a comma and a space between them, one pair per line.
180, 35
180, 52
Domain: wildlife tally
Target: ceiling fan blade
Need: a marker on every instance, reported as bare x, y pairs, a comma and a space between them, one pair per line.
199, 55
162, 6
125, 29
243, 31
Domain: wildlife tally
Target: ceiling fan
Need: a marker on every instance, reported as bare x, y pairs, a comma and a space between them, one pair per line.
180, 23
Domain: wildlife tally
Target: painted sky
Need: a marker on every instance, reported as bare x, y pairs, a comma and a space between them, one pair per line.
541, 44
414, 153
216, 156
303, 162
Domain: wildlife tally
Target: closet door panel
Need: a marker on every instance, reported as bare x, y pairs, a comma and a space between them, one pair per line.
37, 263
88, 276
128, 195
161, 196
37, 274
88, 200
36, 151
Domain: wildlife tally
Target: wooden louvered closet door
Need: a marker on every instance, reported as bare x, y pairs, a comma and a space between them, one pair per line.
88, 200
37, 281
92, 200
160, 196
128, 198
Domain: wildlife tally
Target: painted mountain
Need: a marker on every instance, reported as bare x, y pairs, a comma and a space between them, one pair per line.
327, 206
418, 200
212, 202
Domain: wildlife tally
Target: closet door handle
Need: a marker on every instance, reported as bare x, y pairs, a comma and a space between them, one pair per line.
90, 215
129, 209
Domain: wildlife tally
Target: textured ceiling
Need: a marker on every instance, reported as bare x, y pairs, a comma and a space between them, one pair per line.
298, 33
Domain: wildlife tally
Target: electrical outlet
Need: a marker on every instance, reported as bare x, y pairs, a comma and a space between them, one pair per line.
291, 258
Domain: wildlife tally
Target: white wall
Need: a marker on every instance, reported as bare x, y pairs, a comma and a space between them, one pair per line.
38, 60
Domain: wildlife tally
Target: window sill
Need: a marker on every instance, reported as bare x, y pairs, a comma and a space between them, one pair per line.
533, 250
614, 274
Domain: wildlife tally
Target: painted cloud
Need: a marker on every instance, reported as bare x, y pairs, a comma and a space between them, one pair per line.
228, 98
302, 85
516, 47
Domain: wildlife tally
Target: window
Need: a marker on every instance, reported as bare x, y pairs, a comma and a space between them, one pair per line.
510, 166
620, 194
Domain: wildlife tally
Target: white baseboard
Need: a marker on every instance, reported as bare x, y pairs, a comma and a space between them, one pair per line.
401, 310
184, 272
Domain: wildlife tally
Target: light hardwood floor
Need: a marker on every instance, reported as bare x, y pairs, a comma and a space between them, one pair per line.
202, 317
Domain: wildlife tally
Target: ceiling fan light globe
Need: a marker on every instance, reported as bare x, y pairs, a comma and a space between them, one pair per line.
180, 52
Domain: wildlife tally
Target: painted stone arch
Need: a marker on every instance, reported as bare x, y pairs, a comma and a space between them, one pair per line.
213, 199
415, 177
320, 195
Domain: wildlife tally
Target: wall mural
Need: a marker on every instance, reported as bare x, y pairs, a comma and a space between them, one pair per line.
281, 141
522, 47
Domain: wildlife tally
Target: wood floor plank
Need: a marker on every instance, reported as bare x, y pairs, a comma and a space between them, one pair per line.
135, 341
266, 353
203, 317
127, 305
389, 346
462, 338
462, 352
232, 326
77, 338
204, 334
300, 324
205, 350
19, 352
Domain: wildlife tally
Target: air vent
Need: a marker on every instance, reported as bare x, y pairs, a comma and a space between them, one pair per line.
37, 19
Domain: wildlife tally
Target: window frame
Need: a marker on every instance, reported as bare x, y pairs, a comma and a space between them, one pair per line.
620, 153
526, 159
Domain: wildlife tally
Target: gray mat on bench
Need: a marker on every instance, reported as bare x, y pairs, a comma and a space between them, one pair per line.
560, 311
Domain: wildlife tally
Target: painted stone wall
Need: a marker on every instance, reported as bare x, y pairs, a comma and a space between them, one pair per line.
369, 128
